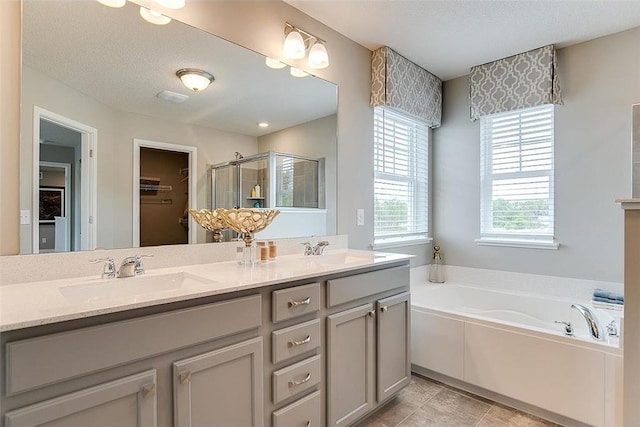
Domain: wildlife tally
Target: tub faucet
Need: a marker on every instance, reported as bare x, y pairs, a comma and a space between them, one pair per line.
592, 321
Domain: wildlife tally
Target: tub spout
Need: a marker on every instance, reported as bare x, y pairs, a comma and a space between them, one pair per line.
592, 321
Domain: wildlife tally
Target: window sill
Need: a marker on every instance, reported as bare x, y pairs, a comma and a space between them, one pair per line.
398, 243
518, 243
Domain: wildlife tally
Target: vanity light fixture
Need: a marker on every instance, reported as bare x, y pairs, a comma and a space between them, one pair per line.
171, 4
113, 3
154, 17
195, 79
274, 63
297, 42
297, 72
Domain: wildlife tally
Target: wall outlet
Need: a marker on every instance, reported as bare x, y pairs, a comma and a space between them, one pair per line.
25, 217
360, 216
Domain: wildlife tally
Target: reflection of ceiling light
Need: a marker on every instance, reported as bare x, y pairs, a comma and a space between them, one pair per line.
113, 3
296, 43
318, 56
274, 63
263, 124
153, 16
167, 95
297, 72
294, 47
171, 4
195, 79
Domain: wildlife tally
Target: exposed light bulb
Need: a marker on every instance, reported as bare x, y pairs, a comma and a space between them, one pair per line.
195, 79
113, 3
293, 47
171, 4
154, 17
297, 72
274, 63
318, 56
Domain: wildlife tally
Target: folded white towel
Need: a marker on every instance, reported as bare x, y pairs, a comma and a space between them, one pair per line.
607, 306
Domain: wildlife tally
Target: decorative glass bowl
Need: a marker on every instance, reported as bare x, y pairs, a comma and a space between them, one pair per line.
248, 221
211, 221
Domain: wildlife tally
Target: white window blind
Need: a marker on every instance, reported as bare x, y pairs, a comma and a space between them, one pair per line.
517, 175
401, 177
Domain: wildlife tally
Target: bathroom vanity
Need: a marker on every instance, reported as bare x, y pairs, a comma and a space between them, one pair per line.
305, 341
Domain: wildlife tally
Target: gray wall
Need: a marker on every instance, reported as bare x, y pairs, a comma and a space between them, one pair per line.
600, 81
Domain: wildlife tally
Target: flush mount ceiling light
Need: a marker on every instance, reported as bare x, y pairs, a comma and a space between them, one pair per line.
154, 17
263, 124
171, 4
297, 42
195, 79
274, 63
113, 3
297, 72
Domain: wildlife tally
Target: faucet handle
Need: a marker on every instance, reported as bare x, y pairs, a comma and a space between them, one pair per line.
307, 248
139, 267
568, 327
612, 329
109, 268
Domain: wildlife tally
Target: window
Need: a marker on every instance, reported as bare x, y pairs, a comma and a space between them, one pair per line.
517, 178
401, 192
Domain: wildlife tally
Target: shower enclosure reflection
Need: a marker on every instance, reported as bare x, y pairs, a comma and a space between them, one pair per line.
292, 183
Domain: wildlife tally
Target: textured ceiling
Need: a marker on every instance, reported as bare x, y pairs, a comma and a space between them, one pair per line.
115, 57
447, 37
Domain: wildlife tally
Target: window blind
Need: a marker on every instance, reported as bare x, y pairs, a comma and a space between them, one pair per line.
517, 174
401, 192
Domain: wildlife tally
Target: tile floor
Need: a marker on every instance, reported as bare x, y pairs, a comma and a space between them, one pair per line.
425, 402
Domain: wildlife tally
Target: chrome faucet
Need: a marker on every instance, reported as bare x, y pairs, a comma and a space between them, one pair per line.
132, 266
592, 321
318, 249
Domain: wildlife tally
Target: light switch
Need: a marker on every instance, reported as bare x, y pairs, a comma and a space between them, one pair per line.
25, 217
360, 217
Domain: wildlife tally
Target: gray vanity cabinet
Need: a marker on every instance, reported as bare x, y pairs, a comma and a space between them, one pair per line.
220, 388
393, 345
350, 354
128, 401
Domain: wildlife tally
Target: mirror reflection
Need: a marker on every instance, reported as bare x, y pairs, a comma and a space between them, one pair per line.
115, 148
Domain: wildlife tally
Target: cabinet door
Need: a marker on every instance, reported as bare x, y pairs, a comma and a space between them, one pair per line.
350, 348
129, 401
393, 345
220, 388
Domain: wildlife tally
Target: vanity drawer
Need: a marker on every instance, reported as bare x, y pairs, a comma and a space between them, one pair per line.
296, 301
298, 339
358, 286
296, 378
40, 361
303, 412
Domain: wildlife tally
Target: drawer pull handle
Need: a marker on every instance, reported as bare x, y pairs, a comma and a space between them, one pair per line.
384, 308
185, 377
302, 381
305, 301
148, 390
297, 343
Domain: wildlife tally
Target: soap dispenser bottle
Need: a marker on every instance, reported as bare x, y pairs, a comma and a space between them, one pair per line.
436, 269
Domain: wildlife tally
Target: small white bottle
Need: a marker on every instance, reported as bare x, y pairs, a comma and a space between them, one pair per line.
257, 187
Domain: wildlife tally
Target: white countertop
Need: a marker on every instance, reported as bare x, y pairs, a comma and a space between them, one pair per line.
39, 303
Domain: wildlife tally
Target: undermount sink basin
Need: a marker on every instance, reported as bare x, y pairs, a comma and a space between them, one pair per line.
344, 258
129, 287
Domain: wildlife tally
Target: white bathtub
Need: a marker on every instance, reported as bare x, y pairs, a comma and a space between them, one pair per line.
508, 344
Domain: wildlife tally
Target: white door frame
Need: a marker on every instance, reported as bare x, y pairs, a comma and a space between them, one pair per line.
67, 196
192, 183
88, 178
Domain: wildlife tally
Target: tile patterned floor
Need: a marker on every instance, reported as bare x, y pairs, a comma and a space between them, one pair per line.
425, 402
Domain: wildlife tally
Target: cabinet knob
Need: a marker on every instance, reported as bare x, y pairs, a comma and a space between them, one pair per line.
148, 390
309, 423
305, 301
384, 308
372, 313
185, 377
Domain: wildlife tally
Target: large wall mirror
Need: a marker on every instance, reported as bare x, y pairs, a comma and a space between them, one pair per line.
93, 111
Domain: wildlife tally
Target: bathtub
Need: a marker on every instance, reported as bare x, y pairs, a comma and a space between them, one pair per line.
507, 346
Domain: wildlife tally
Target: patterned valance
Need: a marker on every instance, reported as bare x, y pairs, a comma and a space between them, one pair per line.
524, 80
399, 83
